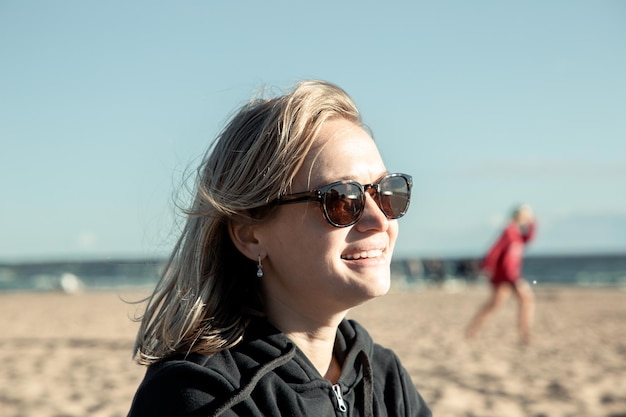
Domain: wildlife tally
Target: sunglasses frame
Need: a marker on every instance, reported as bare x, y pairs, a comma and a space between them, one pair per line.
319, 194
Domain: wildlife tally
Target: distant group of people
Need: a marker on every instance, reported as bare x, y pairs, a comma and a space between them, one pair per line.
293, 223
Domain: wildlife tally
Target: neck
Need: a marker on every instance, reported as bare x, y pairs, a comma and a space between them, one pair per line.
318, 348
314, 337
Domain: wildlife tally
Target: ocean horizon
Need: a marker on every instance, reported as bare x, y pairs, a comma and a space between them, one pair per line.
74, 275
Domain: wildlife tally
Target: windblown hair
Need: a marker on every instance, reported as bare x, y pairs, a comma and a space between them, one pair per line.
208, 289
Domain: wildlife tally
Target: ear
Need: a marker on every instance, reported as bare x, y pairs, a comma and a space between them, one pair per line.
244, 239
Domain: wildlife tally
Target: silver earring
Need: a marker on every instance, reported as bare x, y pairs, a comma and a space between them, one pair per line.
259, 270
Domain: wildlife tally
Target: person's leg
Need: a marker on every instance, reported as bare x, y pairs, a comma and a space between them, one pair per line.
526, 309
498, 295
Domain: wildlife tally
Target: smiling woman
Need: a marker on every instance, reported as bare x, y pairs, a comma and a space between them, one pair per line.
249, 317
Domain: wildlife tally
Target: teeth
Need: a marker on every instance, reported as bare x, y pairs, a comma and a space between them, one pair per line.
365, 254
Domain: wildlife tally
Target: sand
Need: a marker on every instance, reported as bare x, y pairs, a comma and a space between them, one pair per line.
70, 355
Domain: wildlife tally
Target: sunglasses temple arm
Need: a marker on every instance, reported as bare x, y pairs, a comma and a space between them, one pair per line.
298, 198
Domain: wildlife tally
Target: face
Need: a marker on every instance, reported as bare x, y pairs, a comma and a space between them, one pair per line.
312, 266
525, 217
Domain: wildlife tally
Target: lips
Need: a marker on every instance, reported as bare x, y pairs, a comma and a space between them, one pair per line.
365, 254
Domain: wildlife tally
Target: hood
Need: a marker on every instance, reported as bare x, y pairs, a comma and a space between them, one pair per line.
264, 350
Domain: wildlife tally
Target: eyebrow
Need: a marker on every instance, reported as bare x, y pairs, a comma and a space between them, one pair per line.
351, 177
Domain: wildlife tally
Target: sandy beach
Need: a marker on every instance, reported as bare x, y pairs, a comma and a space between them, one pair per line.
70, 355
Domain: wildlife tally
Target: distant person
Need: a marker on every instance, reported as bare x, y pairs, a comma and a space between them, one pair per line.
503, 265
71, 284
294, 222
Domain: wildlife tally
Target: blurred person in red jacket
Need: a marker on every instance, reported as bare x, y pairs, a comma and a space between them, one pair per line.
503, 266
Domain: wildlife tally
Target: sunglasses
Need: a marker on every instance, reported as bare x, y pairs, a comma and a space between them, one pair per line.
343, 202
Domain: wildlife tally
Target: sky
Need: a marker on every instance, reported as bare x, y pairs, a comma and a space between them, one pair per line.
105, 108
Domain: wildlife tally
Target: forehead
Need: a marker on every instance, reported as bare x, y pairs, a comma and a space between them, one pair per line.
341, 150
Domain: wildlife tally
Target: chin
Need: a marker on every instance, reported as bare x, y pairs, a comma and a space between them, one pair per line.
369, 294
380, 287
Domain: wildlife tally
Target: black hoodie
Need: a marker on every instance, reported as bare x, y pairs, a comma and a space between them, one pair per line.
267, 375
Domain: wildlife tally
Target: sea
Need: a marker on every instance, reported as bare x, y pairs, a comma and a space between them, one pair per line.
608, 270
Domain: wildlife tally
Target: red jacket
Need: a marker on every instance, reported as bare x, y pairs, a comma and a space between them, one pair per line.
503, 262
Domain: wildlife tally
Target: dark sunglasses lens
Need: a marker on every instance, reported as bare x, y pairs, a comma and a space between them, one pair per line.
394, 196
343, 204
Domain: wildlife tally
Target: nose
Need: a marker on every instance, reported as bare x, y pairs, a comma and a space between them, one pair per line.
373, 217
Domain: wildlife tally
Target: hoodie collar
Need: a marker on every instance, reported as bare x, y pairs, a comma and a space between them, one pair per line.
352, 343
275, 351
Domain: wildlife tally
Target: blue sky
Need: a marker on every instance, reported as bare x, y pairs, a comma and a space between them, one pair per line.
105, 105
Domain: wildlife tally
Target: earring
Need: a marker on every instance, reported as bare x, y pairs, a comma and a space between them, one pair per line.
259, 270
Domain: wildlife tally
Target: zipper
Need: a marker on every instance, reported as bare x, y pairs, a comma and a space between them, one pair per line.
341, 405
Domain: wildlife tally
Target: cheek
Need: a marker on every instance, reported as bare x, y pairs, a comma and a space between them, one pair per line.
293, 234
393, 231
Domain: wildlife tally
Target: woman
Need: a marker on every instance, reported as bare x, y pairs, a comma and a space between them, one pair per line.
503, 265
282, 240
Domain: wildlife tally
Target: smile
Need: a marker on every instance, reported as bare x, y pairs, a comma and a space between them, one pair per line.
374, 253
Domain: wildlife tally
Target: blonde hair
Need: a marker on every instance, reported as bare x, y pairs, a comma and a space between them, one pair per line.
519, 209
208, 290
